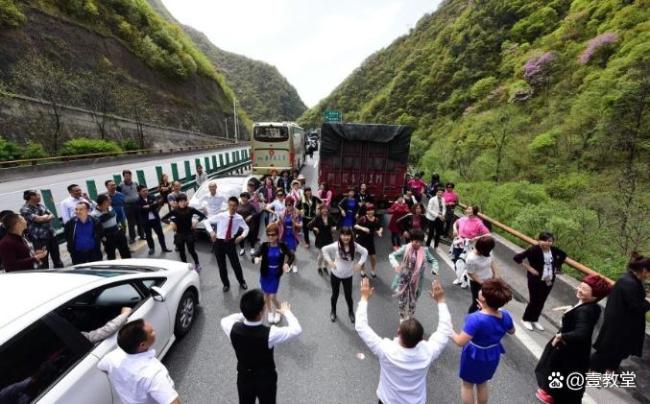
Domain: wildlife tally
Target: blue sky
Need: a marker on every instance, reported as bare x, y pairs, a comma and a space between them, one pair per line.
314, 44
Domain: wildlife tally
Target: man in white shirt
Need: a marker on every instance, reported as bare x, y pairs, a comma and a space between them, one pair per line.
135, 373
436, 211
253, 343
69, 204
226, 237
404, 360
201, 176
212, 203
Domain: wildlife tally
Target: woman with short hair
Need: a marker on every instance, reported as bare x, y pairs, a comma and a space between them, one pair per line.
480, 267
367, 226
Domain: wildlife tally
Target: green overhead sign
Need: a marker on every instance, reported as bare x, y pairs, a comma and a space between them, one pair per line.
333, 116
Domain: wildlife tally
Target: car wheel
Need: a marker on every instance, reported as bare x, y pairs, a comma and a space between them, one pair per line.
185, 314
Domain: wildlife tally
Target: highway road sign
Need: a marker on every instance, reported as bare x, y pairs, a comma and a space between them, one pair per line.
333, 116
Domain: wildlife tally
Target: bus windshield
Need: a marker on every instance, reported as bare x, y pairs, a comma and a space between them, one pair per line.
271, 133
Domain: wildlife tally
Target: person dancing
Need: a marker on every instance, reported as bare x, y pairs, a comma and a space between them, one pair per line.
271, 254
323, 227
409, 263
340, 258
290, 223
349, 208
182, 216
367, 226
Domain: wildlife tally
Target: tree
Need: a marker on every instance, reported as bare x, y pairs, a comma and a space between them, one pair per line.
100, 94
50, 82
502, 126
135, 105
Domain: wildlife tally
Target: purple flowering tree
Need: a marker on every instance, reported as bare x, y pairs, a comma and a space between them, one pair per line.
537, 69
599, 48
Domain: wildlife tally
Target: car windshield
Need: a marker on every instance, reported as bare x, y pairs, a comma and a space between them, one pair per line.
271, 133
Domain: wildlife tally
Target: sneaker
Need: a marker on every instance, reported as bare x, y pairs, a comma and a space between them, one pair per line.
151, 251
167, 250
242, 252
271, 318
544, 397
252, 251
226, 288
277, 317
456, 282
198, 268
538, 326
294, 269
332, 317
528, 325
363, 274
464, 285
243, 285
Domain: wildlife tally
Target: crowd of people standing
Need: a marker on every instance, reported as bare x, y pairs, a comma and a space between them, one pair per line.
345, 235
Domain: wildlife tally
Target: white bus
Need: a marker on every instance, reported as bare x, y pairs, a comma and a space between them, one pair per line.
277, 146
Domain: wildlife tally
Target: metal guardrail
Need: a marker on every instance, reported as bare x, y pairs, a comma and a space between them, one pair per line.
55, 159
523, 237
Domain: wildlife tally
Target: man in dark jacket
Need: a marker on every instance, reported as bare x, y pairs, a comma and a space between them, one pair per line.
39, 227
83, 235
148, 206
15, 251
623, 329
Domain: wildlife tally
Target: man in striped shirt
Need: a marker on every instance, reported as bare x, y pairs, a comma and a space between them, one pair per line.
114, 237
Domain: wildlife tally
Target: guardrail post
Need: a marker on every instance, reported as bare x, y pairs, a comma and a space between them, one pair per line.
141, 178
227, 159
188, 170
206, 159
117, 178
214, 162
175, 171
234, 156
92, 189
48, 201
220, 160
159, 173
197, 162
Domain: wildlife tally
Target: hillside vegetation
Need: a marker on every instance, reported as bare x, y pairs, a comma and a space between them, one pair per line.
111, 56
264, 93
538, 110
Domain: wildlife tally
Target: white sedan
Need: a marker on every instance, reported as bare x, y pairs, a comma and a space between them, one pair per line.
45, 357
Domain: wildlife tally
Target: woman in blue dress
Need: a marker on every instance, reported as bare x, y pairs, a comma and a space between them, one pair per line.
349, 208
272, 255
290, 223
481, 340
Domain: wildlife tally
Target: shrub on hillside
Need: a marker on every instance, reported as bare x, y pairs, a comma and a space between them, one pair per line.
129, 144
538, 68
84, 145
10, 14
34, 150
599, 48
9, 150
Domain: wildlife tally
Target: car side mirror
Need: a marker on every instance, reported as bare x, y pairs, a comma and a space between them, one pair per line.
158, 294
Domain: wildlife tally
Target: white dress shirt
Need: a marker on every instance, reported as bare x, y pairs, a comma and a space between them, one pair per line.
344, 269
403, 371
221, 221
277, 335
212, 205
138, 378
69, 204
436, 209
277, 206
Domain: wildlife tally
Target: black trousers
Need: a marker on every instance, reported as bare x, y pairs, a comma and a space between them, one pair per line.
395, 239
475, 287
436, 230
450, 218
81, 257
133, 219
253, 232
603, 361
116, 241
256, 385
305, 229
157, 228
52, 247
347, 291
538, 291
225, 248
180, 241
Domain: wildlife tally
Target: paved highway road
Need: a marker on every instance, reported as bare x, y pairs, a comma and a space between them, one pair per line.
11, 192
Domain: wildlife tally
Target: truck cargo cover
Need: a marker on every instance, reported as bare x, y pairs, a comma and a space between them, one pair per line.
334, 135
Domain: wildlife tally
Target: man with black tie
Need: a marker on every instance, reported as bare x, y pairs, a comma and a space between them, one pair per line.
228, 225
253, 343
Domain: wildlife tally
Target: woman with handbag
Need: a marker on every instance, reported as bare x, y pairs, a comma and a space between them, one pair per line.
568, 351
271, 254
409, 263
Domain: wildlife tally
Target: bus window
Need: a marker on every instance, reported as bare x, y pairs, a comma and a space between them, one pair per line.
271, 133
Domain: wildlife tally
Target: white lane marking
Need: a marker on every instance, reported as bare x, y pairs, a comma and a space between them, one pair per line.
520, 334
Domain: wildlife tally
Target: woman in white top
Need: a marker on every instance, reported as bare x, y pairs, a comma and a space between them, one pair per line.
340, 258
480, 267
276, 207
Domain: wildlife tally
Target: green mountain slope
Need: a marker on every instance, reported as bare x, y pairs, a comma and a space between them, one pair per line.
539, 109
264, 93
117, 53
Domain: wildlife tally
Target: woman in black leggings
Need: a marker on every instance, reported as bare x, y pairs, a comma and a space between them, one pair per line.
182, 216
340, 258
